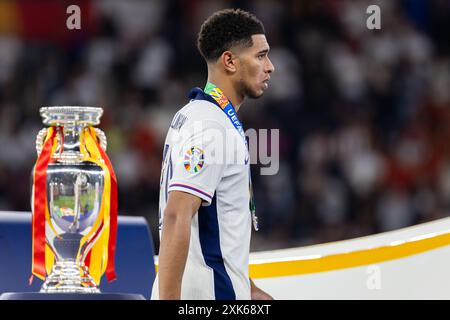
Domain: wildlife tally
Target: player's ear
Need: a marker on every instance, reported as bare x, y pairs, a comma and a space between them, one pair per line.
228, 61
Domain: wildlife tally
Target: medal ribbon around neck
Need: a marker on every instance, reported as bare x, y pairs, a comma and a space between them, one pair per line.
226, 106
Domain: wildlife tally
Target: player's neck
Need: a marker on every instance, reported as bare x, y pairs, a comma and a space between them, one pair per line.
229, 91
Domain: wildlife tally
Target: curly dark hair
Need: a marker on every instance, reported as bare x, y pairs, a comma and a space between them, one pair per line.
226, 29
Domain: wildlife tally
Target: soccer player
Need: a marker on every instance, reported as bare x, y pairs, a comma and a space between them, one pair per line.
206, 202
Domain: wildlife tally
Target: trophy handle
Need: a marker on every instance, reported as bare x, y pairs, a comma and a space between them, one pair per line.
43, 132
40, 140
102, 137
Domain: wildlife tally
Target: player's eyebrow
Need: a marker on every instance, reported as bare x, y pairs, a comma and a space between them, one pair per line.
264, 51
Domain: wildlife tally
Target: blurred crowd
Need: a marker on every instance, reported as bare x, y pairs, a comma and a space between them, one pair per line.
364, 115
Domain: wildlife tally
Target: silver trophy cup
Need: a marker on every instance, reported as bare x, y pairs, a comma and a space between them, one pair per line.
74, 195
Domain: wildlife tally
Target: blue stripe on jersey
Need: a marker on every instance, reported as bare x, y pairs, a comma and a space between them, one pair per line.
210, 242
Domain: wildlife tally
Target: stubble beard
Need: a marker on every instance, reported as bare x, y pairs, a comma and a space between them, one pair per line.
247, 92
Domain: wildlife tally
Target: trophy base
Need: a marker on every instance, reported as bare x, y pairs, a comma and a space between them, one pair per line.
69, 296
69, 277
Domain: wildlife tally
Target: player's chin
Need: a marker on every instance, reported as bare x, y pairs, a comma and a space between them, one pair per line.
255, 94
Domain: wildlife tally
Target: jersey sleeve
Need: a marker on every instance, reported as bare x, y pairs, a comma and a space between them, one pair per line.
198, 159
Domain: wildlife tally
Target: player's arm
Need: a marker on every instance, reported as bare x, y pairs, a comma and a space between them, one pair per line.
174, 245
257, 293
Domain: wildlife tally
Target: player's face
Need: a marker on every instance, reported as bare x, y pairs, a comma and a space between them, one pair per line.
255, 67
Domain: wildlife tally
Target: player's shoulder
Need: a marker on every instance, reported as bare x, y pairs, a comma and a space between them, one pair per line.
204, 111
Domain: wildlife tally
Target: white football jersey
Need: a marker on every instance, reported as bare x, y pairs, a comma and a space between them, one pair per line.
205, 155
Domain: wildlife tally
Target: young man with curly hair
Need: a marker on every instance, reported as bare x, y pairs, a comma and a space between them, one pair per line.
206, 203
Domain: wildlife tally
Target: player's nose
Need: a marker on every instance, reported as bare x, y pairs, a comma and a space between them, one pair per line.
269, 67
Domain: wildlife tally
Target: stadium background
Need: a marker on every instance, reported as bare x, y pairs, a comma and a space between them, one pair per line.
363, 114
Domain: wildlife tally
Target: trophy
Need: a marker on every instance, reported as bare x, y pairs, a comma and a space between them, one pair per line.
74, 202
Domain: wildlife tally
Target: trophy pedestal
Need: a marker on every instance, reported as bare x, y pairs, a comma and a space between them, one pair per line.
69, 296
69, 277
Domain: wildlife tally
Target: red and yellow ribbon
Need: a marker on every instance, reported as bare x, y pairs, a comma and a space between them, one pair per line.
40, 205
103, 243
100, 242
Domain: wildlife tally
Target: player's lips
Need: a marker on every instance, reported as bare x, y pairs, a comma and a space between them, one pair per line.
266, 83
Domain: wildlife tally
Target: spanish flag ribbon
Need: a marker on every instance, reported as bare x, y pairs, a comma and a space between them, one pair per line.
40, 204
97, 247
110, 268
100, 243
